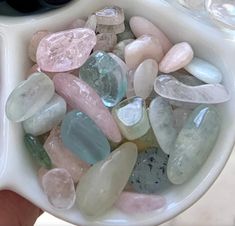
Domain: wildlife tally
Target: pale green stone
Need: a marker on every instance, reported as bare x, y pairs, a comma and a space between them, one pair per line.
119, 49
126, 34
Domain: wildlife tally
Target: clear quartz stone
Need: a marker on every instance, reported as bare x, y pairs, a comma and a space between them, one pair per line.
192, 4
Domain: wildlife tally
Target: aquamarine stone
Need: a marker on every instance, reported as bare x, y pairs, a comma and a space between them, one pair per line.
81, 135
104, 75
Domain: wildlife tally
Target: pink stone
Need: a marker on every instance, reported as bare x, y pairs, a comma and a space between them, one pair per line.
64, 158
106, 42
141, 26
78, 23
176, 58
135, 203
143, 48
59, 187
79, 95
65, 50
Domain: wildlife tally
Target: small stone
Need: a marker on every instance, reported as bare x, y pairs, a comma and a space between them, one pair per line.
141, 26
101, 186
144, 77
162, 121
81, 96
105, 42
135, 203
37, 151
91, 23
126, 34
119, 49
204, 71
116, 29
78, 23
81, 136
59, 188
169, 87
193, 144
145, 47
111, 15
180, 117
29, 97
149, 175
110, 82
176, 58
50, 115
65, 50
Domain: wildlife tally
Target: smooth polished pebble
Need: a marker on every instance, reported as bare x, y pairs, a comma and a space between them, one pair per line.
144, 77
204, 71
29, 97
50, 115
145, 47
101, 186
79, 95
176, 58
169, 87
59, 188
65, 50
136, 203
193, 144
141, 26
105, 42
116, 29
130, 92
180, 116
126, 34
91, 23
119, 49
163, 124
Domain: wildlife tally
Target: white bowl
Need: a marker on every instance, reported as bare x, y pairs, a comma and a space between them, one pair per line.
18, 172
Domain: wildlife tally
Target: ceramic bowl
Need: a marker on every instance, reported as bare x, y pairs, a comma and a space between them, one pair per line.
18, 172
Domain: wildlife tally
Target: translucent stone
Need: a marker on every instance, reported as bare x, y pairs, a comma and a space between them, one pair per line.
91, 22
61, 157
169, 87
101, 186
105, 76
29, 97
193, 4
37, 151
80, 95
132, 118
119, 49
126, 34
105, 42
193, 144
180, 117
149, 174
50, 115
116, 29
59, 187
130, 92
162, 121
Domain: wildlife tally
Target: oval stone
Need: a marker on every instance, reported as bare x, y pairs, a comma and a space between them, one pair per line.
180, 116
65, 50
81, 136
29, 97
101, 186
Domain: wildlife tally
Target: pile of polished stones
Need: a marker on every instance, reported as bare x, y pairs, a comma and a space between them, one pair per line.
114, 113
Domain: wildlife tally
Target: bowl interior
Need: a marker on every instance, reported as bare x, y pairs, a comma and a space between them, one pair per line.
18, 172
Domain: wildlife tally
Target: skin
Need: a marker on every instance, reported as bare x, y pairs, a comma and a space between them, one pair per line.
17, 211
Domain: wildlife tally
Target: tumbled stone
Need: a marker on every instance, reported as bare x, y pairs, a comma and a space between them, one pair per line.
116, 29
91, 23
78, 23
81, 136
105, 42
162, 121
130, 92
135, 203
101, 186
145, 47
204, 71
65, 50
180, 117
131, 117
144, 77
61, 157
176, 58
119, 49
110, 15
141, 26
193, 5
79, 95
37, 151
59, 188
193, 144
110, 82
149, 174
50, 115
126, 34
169, 87
29, 97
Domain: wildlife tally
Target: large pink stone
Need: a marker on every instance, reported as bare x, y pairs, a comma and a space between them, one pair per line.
65, 50
79, 95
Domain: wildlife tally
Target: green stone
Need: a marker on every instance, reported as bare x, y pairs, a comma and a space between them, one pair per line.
127, 34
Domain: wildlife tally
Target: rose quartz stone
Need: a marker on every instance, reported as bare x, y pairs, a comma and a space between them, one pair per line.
61, 157
105, 42
145, 47
79, 95
78, 23
141, 26
65, 50
176, 58
135, 203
